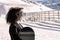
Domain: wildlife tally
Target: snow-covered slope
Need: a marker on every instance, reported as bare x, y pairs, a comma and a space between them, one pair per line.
43, 30
34, 6
53, 4
43, 7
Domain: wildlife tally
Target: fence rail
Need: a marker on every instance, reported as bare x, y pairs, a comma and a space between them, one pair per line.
42, 16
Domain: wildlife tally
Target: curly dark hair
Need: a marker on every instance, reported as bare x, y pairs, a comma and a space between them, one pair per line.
11, 15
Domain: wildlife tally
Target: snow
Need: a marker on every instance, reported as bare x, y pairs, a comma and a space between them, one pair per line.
53, 4
43, 30
13, 1
40, 33
36, 7
28, 7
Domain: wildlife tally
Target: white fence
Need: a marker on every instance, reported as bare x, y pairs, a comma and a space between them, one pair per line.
42, 16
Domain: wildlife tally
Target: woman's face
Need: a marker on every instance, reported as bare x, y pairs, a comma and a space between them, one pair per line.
19, 15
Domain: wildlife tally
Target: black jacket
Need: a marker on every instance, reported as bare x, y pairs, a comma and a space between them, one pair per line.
14, 32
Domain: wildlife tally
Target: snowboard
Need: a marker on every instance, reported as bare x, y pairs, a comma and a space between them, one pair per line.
27, 33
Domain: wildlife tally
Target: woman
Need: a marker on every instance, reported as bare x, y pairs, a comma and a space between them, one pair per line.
13, 16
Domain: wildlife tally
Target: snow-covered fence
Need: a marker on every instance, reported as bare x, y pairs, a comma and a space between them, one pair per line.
42, 16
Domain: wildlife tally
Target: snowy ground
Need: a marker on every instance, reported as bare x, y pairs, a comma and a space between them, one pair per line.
43, 30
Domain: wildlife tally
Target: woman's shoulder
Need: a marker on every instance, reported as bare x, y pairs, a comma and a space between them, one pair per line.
12, 25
